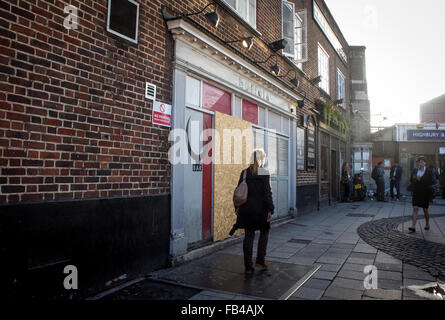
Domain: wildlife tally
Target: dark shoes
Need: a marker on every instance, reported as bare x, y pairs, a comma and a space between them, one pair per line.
263, 265
250, 271
412, 230
232, 231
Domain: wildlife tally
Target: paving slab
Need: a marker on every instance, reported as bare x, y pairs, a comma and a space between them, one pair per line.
308, 293
384, 294
343, 246
338, 293
325, 275
348, 283
348, 274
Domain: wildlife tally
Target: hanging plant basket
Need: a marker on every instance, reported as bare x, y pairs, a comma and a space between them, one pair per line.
333, 117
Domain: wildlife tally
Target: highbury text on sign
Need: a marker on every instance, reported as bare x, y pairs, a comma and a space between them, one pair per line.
426, 134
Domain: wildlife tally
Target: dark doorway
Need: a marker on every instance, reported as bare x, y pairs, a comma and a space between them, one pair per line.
334, 175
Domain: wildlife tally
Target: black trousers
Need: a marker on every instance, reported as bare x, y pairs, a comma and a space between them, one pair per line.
396, 184
249, 238
347, 188
380, 190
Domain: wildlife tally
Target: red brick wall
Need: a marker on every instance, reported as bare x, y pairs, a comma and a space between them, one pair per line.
74, 122
315, 35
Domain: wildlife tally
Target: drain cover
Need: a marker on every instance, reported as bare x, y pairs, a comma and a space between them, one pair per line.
360, 215
303, 241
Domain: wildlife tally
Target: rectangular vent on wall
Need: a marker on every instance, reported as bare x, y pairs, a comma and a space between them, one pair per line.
150, 91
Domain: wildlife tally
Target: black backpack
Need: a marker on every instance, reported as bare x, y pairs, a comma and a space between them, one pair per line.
374, 173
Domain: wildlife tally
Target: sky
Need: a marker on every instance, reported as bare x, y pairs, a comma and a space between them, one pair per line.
405, 52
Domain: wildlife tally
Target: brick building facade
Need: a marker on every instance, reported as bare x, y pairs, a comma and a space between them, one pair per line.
433, 111
84, 167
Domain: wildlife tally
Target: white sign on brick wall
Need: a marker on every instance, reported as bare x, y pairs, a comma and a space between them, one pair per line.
162, 114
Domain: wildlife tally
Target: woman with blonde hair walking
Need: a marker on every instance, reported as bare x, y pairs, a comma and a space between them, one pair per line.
256, 213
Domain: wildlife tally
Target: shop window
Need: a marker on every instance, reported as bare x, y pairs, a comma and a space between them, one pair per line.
272, 154
285, 125
274, 121
250, 112
193, 92
258, 139
215, 99
261, 117
283, 169
324, 176
237, 107
123, 19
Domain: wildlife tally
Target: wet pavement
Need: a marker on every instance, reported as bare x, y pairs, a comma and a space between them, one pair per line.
323, 256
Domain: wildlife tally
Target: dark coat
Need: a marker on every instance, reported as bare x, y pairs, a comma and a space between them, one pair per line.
423, 189
380, 174
398, 175
253, 214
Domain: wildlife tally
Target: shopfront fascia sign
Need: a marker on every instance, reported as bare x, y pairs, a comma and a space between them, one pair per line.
430, 135
253, 89
224, 68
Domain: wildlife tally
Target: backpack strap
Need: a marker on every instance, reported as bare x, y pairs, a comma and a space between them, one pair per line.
244, 175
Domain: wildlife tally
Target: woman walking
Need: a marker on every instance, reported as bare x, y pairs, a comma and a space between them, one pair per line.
256, 213
421, 182
346, 181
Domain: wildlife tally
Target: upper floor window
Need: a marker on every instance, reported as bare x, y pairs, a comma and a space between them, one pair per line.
341, 87
324, 25
323, 68
295, 32
246, 9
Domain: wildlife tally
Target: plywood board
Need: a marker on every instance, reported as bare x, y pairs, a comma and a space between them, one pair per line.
232, 149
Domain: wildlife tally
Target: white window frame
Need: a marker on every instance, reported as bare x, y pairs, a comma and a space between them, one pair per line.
299, 52
341, 87
247, 16
283, 3
323, 70
327, 30
135, 41
301, 38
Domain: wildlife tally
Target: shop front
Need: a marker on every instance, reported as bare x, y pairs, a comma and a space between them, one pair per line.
223, 108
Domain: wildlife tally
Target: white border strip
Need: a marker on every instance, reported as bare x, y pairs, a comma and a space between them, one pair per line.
300, 283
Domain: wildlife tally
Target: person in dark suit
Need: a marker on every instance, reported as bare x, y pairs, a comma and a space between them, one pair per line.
422, 181
257, 212
346, 180
379, 178
394, 176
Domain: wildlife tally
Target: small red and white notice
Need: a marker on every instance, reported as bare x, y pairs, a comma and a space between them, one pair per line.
162, 114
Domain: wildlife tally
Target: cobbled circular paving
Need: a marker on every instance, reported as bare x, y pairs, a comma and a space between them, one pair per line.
383, 235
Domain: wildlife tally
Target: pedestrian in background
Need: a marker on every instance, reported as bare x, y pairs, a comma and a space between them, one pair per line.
394, 177
378, 174
346, 181
256, 213
421, 184
435, 176
442, 182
